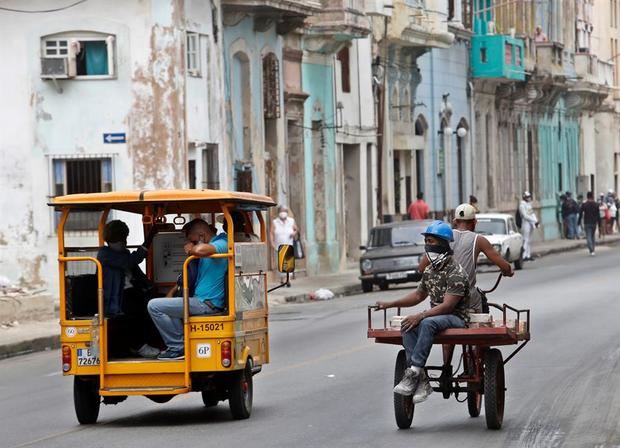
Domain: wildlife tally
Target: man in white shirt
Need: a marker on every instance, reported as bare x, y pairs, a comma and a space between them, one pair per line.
529, 223
283, 231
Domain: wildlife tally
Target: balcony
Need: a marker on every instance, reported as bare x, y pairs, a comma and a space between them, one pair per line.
591, 70
498, 57
289, 8
550, 60
340, 19
415, 23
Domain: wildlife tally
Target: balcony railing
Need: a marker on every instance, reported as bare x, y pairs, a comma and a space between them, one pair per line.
268, 7
340, 17
549, 59
590, 69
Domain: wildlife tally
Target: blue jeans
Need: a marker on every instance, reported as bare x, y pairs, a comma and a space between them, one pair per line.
419, 341
590, 236
167, 315
571, 221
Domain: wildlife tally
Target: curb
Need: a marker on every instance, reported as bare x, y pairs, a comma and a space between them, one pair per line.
30, 346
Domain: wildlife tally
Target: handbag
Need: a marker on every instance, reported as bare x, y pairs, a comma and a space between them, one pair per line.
298, 249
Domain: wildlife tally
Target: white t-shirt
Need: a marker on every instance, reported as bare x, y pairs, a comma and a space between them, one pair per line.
283, 230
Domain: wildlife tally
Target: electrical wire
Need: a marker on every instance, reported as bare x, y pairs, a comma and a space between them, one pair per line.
24, 11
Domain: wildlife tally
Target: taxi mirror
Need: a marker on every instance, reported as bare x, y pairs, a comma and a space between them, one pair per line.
286, 258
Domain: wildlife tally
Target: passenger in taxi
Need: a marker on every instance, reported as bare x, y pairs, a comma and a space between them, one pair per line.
125, 292
209, 295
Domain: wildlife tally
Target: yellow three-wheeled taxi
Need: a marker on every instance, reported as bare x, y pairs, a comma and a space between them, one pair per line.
222, 352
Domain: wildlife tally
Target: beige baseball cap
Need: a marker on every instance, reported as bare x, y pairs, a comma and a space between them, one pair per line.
465, 212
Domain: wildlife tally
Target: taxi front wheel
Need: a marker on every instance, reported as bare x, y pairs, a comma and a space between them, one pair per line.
86, 399
240, 392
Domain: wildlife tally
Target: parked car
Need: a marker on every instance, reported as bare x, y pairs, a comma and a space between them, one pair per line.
393, 254
501, 231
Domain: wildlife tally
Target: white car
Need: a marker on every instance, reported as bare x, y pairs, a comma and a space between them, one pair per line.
501, 231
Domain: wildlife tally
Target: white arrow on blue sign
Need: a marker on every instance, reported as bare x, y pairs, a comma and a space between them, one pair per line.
119, 137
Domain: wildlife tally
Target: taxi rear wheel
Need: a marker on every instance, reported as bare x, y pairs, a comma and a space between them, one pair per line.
209, 399
240, 392
86, 399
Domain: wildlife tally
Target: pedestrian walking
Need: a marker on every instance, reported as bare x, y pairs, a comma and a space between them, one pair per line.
528, 223
589, 213
473, 201
418, 209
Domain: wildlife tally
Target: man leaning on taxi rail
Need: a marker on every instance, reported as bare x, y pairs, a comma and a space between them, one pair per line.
447, 285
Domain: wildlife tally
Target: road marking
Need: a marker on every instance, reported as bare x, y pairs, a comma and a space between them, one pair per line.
52, 374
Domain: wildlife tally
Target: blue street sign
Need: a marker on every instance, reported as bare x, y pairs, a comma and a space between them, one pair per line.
119, 137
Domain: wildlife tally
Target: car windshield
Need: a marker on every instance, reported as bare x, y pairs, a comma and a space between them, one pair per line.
407, 235
491, 226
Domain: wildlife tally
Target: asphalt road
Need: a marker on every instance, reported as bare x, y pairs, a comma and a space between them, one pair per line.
328, 386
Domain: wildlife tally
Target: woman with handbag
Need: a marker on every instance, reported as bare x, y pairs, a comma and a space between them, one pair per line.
283, 231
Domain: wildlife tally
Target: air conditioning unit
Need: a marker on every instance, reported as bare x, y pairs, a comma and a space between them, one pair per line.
55, 68
379, 8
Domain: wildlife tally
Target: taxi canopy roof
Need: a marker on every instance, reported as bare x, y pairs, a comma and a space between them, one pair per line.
171, 201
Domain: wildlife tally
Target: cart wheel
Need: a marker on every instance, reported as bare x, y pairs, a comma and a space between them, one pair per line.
494, 390
474, 403
474, 398
86, 399
240, 392
403, 406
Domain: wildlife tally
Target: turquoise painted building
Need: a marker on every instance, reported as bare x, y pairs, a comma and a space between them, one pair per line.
322, 251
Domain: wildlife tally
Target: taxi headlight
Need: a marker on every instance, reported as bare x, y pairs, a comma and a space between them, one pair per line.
366, 265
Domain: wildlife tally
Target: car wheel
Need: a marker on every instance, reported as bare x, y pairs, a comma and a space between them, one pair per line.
383, 286
366, 286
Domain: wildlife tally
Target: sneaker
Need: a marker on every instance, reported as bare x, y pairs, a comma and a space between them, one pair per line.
408, 384
146, 351
423, 390
592, 254
169, 355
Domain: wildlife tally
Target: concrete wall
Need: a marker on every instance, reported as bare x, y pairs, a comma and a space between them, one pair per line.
323, 252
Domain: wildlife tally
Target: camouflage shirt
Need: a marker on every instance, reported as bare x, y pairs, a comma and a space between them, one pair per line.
451, 279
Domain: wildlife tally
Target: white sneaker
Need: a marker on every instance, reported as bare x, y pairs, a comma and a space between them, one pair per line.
408, 384
423, 390
146, 351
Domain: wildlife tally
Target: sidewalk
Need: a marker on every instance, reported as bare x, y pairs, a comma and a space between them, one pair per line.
31, 336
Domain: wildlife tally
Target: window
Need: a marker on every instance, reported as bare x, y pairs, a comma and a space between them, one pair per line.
210, 168
191, 172
450, 10
508, 54
271, 86
193, 54
345, 71
483, 55
86, 55
84, 175
518, 57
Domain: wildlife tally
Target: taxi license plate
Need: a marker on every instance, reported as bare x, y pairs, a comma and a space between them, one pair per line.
396, 275
86, 357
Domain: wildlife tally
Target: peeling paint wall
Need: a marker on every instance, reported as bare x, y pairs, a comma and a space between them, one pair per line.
146, 99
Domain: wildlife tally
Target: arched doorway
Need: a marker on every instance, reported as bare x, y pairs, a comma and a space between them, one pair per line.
241, 104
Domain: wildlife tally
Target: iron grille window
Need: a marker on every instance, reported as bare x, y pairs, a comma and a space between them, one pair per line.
271, 86
74, 176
